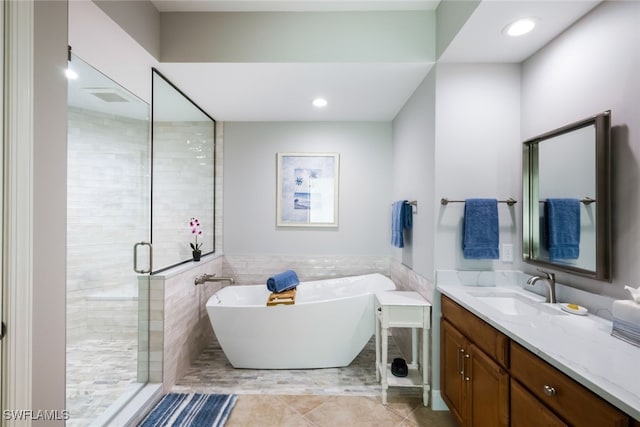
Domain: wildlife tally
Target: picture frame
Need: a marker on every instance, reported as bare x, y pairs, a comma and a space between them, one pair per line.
307, 189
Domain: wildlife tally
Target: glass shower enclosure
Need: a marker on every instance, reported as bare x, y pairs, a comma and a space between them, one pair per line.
108, 210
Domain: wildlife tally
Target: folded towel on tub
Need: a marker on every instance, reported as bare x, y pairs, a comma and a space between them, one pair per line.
480, 233
563, 228
283, 281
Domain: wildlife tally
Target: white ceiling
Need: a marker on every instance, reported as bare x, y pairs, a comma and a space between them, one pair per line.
284, 92
481, 38
355, 91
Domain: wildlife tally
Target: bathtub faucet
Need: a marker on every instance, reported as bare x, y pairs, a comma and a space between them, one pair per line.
212, 278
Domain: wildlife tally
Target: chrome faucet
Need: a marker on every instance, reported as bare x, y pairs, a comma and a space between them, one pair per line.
212, 278
550, 281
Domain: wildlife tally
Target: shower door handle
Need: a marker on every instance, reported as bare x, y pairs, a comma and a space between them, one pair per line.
135, 257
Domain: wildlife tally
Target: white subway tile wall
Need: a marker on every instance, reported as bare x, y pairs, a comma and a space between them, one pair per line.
256, 269
108, 170
182, 188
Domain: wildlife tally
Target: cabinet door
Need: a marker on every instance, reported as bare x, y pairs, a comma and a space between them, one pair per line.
527, 411
487, 387
452, 383
561, 394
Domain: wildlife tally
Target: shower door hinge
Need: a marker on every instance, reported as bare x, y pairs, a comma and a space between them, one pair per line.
3, 331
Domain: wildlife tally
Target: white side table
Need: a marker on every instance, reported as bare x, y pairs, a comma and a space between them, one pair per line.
399, 309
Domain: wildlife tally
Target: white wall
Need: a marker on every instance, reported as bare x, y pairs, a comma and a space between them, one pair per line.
451, 17
414, 175
457, 137
49, 206
590, 68
139, 18
250, 188
478, 155
103, 44
241, 37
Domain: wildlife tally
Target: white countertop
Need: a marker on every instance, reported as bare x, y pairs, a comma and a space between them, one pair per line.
580, 346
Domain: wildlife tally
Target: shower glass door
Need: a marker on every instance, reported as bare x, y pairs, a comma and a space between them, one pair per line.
108, 210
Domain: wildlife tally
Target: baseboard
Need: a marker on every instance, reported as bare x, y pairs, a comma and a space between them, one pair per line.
437, 404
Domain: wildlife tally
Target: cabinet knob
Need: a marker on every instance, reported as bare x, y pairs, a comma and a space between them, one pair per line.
379, 308
549, 391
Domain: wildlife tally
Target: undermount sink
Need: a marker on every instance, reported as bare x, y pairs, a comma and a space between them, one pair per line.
513, 303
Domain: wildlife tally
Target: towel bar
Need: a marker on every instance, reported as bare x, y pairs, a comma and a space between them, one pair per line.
444, 201
413, 203
586, 200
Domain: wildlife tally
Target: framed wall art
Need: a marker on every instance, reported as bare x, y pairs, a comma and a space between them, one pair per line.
307, 189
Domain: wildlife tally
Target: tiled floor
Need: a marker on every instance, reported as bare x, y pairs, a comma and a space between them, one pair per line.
212, 373
98, 373
332, 397
334, 411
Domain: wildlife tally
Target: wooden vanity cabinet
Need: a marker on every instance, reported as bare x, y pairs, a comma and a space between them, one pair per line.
488, 380
574, 403
474, 385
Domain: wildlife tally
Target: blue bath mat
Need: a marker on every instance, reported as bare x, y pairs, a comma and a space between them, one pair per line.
193, 410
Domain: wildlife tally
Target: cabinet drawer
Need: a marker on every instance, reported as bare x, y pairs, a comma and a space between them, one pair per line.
401, 316
483, 335
574, 403
527, 411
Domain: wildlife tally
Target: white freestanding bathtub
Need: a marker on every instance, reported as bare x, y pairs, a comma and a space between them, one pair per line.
329, 324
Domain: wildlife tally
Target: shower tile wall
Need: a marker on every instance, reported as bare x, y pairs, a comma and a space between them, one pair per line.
104, 216
183, 151
219, 190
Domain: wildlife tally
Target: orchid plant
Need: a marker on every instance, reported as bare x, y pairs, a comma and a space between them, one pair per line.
194, 223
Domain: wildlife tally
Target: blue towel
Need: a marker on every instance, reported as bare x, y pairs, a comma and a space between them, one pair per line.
283, 281
563, 228
401, 219
480, 229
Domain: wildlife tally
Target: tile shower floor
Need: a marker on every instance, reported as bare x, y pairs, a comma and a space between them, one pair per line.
98, 373
310, 397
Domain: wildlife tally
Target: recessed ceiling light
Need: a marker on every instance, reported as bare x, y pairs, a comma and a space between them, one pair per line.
319, 102
71, 75
520, 27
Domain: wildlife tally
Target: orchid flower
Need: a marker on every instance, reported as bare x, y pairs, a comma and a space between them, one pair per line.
194, 223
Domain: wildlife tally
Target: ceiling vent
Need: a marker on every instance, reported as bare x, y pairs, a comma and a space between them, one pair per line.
108, 94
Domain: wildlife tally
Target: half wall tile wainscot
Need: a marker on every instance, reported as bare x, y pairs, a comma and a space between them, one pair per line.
407, 279
256, 269
179, 324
